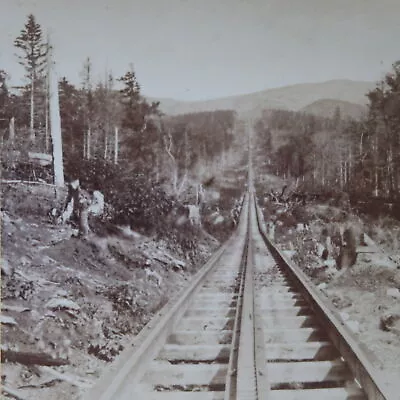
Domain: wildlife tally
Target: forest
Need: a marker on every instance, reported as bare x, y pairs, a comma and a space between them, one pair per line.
360, 157
113, 139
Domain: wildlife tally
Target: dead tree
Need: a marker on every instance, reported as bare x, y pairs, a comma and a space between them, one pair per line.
168, 145
55, 129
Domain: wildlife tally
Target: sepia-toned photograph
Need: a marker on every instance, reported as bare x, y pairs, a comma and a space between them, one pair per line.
200, 199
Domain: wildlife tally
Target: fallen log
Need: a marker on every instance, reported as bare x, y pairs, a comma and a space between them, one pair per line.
73, 380
28, 358
14, 393
16, 181
42, 385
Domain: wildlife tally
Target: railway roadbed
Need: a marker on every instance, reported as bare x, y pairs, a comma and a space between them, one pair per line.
250, 326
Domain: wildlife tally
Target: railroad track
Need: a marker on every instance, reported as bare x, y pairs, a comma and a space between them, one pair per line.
251, 326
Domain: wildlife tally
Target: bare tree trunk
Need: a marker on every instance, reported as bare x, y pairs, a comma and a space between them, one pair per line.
47, 95
55, 128
376, 190
350, 165
116, 145
31, 122
84, 145
157, 154
105, 144
168, 148
11, 127
46, 137
390, 171
47, 142
341, 173
88, 139
376, 172
314, 174
361, 142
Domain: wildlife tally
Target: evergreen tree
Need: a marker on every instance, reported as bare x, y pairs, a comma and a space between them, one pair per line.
141, 134
72, 118
33, 59
133, 118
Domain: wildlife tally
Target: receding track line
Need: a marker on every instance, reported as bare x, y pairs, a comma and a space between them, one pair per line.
228, 336
190, 350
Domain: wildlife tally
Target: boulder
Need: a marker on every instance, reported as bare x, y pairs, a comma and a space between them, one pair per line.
344, 315
330, 263
354, 326
6, 320
219, 220
390, 322
300, 227
6, 268
62, 304
393, 292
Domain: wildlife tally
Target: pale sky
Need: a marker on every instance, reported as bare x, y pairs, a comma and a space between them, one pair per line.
201, 49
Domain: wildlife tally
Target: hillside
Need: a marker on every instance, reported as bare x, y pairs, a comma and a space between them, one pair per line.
293, 97
326, 108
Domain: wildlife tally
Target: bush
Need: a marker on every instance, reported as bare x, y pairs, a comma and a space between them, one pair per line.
134, 199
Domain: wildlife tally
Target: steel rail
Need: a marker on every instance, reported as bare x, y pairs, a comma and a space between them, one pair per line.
368, 377
145, 346
246, 367
231, 378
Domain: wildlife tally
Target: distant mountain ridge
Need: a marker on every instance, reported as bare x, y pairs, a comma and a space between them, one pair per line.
327, 107
294, 97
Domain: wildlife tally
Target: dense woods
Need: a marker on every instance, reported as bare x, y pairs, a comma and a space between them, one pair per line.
360, 157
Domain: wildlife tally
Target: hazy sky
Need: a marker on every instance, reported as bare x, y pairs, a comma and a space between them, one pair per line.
198, 49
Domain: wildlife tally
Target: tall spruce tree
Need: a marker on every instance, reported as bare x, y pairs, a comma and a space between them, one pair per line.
33, 51
131, 99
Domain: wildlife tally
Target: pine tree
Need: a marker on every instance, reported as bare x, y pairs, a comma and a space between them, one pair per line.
33, 59
131, 99
72, 118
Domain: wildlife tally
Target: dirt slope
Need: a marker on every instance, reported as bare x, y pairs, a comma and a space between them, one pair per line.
78, 301
367, 294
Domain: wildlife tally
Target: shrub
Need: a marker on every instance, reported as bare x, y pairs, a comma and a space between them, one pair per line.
134, 199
